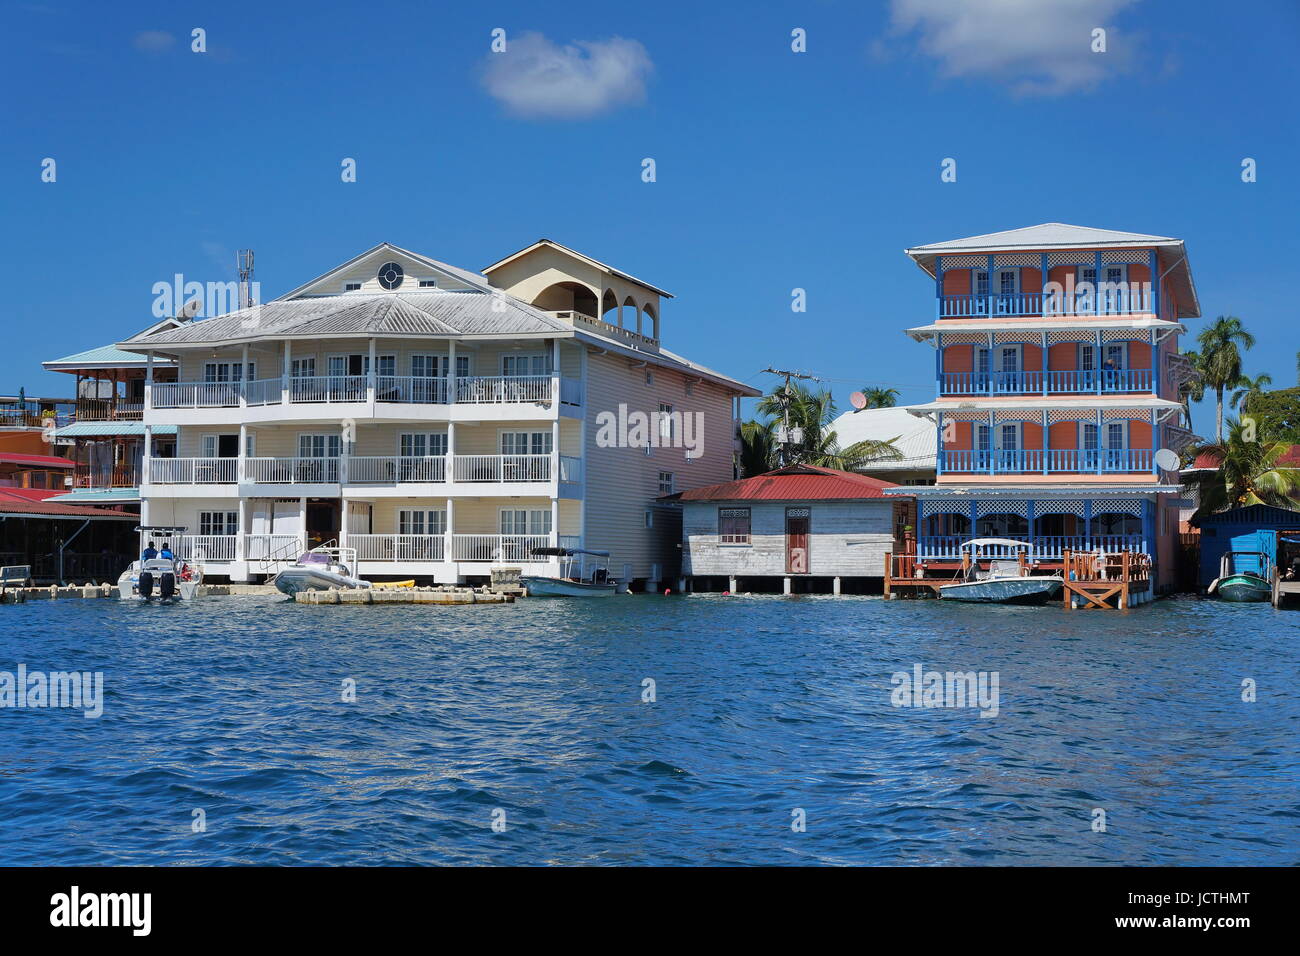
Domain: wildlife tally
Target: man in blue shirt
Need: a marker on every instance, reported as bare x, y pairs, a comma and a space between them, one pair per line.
167, 553
149, 553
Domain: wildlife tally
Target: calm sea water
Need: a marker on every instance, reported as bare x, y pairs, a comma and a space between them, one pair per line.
232, 706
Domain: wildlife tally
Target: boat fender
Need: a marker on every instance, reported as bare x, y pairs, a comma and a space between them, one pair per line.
145, 584
167, 587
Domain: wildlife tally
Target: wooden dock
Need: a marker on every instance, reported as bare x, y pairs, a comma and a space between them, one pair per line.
1284, 590
1115, 581
1122, 581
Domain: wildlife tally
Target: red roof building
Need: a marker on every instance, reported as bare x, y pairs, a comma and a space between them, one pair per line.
792, 483
800, 528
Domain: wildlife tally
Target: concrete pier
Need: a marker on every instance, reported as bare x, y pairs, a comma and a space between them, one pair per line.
403, 596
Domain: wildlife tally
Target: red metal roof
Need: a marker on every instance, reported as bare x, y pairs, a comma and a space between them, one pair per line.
38, 461
30, 494
792, 483
1209, 460
45, 509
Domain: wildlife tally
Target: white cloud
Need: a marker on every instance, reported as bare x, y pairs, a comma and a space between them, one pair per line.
1034, 46
154, 41
539, 79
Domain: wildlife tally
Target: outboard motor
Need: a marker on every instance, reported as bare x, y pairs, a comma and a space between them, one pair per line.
145, 584
167, 586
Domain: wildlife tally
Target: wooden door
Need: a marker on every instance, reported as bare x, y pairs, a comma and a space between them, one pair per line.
797, 526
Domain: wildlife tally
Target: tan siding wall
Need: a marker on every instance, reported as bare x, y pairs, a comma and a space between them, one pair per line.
623, 482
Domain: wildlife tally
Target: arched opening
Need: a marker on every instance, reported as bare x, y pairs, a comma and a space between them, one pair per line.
649, 310
567, 297
608, 304
625, 321
1002, 525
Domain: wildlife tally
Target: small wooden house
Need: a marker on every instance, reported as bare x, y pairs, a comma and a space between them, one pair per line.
799, 528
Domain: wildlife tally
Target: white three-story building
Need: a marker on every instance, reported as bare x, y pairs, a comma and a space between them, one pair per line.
438, 421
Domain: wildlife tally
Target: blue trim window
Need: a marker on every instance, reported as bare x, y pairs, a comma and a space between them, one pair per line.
981, 283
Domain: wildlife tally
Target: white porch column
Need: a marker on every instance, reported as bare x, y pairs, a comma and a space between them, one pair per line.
555, 452
555, 376
451, 371
450, 466
148, 388
243, 377
451, 529
284, 373
242, 455
302, 522
555, 522
370, 376
241, 540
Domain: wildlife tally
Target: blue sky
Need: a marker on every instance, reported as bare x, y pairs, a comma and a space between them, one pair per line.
775, 169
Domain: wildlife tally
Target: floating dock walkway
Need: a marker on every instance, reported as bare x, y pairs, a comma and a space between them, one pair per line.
403, 596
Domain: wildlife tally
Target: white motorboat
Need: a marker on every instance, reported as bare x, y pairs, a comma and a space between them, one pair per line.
319, 570
158, 577
1007, 581
582, 583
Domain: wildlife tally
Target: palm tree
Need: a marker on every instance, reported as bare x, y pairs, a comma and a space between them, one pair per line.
1194, 390
811, 413
880, 397
1247, 389
1221, 346
1249, 473
755, 449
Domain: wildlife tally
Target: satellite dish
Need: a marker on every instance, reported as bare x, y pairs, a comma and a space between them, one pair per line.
1168, 459
858, 400
190, 309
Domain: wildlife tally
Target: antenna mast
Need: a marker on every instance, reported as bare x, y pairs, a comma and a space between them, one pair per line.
244, 263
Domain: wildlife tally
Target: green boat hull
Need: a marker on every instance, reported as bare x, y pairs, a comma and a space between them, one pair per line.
1244, 587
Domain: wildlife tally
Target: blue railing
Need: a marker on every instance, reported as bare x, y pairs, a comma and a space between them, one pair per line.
1039, 461
1038, 382
1043, 547
1122, 301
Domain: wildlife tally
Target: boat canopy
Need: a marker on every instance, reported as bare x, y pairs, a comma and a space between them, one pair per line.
566, 552
995, 542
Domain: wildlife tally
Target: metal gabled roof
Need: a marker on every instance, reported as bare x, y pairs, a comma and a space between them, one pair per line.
792, 483
106, 356
602, 266
437, 313
97, 429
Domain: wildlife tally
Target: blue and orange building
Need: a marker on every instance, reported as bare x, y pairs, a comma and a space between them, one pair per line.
1057, 386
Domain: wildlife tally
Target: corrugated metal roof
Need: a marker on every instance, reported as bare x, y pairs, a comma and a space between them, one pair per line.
98, 496
1042, 235
38, 461
97, 429
913, 437
12, 508
394, 313
105, 355
792, 483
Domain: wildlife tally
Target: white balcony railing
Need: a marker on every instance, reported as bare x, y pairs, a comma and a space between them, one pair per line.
207, 548
514, 548
388, 470
274, 548
362, 470
501, 389
328, 388
398, 547
291, 471
195, 394
400, 389
193, 471
502, 468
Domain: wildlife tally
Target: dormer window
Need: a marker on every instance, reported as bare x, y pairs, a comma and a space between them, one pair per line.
352, 287
428, 283
390, 275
